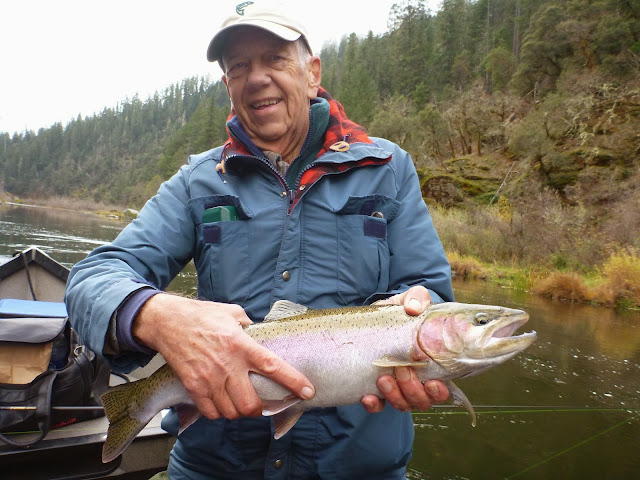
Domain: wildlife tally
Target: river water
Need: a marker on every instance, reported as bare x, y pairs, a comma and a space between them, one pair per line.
584, 357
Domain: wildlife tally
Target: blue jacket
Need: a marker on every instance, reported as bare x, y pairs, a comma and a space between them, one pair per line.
334, 251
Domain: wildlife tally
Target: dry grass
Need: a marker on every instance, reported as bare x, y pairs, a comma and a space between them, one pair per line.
621, 274
564, 286
465, 266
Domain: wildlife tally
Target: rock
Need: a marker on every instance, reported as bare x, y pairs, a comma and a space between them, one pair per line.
130, 213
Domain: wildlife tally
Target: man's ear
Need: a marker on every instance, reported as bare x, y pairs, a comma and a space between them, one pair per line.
226, 84
314, 74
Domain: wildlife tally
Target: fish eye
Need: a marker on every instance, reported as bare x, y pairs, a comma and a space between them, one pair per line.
482, 318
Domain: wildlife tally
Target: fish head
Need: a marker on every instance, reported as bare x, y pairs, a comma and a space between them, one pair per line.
466, 339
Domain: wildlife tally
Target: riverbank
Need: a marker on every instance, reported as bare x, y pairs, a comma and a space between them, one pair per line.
66, 203
614, 284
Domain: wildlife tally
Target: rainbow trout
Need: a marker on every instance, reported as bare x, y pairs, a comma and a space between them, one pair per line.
343, 352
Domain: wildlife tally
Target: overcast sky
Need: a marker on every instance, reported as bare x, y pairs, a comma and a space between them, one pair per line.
61, 58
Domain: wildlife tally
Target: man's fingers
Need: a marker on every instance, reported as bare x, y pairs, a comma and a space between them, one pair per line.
372, 404
245, 400
206, 407
269, 365
391, 391
415, 300
437, 391
405, 392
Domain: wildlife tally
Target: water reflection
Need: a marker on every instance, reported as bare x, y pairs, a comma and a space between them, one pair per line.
65, 235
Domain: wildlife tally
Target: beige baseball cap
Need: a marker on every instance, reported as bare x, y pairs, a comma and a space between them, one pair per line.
269, 15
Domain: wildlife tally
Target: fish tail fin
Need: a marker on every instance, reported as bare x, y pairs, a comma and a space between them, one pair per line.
124, 423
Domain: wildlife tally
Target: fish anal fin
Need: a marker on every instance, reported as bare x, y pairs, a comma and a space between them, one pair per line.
390, 362
459, 398
187, 415
284, 309
285, 420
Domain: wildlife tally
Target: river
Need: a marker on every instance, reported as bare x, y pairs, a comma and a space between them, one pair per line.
584, 357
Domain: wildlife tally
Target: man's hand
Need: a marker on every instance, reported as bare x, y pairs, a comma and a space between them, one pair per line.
205, 345
405, 392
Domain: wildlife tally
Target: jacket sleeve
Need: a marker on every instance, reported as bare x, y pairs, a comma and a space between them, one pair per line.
417, 255
149, 252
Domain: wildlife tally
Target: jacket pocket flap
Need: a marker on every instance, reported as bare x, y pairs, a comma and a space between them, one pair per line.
387, 207
197, 206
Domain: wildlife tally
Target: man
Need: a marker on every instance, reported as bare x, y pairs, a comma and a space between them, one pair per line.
300, 204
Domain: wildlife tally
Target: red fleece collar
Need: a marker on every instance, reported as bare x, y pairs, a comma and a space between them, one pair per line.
340, 128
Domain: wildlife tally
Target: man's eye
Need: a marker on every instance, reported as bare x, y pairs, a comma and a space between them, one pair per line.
237, 69
276, 59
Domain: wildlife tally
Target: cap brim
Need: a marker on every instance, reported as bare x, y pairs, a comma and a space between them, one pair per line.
214, 52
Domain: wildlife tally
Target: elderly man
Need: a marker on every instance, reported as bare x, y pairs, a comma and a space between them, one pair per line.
299, 204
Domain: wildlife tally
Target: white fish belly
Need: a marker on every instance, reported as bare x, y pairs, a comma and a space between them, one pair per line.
340, 366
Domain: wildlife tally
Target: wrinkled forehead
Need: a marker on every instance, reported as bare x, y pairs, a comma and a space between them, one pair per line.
243, 40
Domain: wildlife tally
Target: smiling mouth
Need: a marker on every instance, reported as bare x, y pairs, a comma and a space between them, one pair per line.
265, 103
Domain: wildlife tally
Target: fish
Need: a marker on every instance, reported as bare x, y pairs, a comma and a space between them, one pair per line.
343, 352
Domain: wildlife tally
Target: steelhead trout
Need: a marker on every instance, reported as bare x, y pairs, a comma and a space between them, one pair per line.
343, 352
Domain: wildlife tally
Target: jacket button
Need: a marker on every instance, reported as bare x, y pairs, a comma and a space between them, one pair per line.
286, 275
277, 463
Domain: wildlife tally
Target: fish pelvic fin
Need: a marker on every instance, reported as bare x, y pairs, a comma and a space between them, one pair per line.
273, 407
123, 425
285, 420
460, 399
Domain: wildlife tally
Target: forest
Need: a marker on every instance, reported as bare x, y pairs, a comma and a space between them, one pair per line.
522, 118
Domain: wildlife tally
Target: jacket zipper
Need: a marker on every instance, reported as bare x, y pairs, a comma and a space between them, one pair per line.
290, 193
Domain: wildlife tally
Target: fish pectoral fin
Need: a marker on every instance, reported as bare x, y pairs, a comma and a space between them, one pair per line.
284, 309
285, 420
389, 362
273, 407
187, 415
460, 399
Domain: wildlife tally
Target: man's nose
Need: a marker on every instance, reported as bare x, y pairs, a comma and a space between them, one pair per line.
258, 74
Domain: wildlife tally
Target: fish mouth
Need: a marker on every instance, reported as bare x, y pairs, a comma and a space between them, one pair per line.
498, 339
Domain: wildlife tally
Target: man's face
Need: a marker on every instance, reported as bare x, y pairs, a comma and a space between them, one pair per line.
270, 88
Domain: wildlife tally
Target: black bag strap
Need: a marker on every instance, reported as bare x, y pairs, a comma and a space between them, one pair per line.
43, 413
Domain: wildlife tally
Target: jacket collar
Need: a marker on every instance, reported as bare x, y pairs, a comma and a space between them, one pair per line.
344, 141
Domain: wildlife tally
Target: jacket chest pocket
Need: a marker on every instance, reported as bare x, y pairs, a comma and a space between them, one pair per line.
363, 251
223, 260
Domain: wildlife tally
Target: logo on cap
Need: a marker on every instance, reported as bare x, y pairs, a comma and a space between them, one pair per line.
241, 6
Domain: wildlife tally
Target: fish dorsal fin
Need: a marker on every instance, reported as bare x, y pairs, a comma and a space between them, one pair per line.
387, 362
459, 398
284, 309
284, 421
